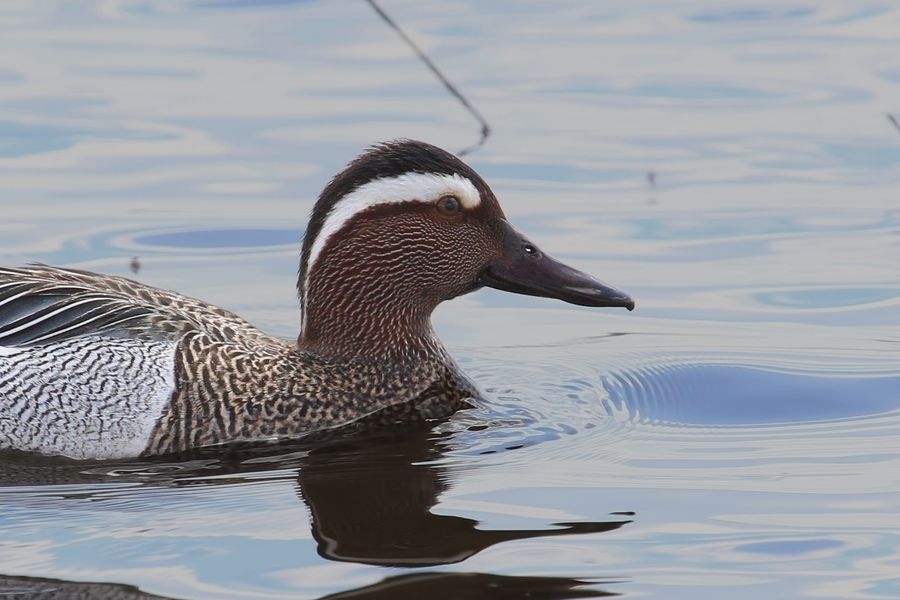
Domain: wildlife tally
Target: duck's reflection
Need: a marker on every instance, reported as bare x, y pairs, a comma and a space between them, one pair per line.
371, 503
40, 588
435, 586
471, 586
370, 499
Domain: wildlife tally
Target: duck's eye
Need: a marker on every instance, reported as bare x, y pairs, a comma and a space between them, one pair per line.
448, 205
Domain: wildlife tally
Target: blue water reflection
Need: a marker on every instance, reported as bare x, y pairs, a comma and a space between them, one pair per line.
828, 298
220, 238
753, 14
735, 395
21, 140
790, 547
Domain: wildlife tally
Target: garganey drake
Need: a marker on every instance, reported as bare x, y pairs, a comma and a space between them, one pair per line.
95, 366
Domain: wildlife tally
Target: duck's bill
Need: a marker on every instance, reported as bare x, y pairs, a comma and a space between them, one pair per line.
524, 269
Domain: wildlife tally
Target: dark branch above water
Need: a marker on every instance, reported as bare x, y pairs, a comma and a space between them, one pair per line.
485, 128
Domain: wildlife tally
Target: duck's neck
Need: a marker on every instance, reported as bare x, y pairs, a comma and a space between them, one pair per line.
368, 324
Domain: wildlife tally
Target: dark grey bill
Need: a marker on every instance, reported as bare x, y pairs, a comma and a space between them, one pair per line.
524, 269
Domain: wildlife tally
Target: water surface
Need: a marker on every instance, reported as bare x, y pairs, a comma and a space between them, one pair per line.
732, 167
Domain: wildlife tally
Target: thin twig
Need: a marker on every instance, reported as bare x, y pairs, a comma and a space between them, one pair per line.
485, 128
893, 120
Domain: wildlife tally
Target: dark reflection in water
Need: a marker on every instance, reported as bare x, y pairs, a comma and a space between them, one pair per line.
470, 586
372, 504
38, 588
370, 498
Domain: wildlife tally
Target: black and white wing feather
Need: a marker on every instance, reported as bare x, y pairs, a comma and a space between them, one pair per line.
41, 305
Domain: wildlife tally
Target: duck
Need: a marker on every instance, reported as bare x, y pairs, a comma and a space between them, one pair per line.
95, 366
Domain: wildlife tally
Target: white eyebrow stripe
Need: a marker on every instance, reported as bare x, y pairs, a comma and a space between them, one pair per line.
409, 187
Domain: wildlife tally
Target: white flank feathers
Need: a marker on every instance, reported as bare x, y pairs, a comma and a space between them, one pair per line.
86, 397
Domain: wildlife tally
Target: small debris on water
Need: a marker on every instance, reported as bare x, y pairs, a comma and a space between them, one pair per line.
651, 182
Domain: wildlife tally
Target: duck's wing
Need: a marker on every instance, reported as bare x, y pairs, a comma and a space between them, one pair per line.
41, 305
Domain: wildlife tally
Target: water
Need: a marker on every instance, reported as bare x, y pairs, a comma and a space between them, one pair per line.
737, 434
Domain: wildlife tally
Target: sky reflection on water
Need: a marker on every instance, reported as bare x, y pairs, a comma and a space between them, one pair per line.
746, 412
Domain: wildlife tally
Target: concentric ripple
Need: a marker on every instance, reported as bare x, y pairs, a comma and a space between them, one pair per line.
608, 387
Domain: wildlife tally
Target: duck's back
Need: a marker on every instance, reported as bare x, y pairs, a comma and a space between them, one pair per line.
87, 362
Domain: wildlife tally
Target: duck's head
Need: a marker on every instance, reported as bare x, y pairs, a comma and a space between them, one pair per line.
404, 227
